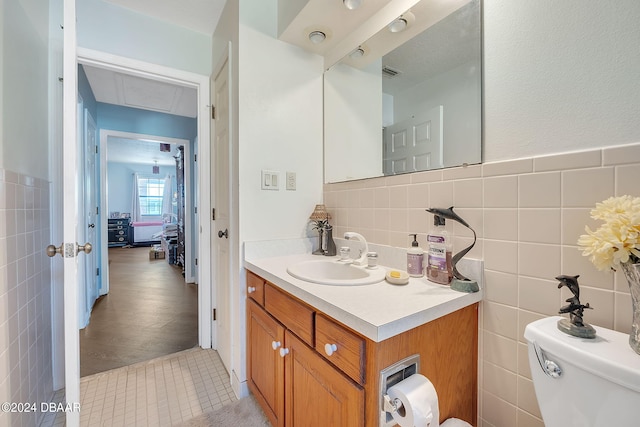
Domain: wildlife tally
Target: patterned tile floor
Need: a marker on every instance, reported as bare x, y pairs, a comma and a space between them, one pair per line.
161, 392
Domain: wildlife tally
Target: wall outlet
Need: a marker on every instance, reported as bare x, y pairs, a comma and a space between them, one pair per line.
291, 180
270, 180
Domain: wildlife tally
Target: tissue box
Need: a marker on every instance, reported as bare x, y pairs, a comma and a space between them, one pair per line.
156, 253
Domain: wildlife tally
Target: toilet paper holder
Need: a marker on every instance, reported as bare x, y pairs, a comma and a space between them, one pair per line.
390, 376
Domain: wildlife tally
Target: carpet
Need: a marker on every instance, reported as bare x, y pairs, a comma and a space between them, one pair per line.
244, 412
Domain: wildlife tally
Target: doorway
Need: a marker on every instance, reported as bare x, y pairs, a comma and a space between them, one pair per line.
201, 85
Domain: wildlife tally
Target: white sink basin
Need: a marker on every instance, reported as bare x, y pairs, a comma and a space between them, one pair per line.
329, 272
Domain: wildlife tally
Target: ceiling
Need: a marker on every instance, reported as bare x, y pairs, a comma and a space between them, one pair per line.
197, 15
138, 151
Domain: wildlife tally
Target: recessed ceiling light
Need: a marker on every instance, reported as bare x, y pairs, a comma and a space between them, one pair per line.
317, 37
357, 53
352, 4
398, 25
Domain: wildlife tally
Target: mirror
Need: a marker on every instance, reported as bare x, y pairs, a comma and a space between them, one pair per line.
410, 108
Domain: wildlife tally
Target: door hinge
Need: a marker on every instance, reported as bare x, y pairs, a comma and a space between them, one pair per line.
195, 157
196, 261
96, 149
97, 210
213, 214
97, 271
195, 210
214, 314
213, 112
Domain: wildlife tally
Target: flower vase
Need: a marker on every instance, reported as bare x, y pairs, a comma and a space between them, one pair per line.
632, 273
320, 250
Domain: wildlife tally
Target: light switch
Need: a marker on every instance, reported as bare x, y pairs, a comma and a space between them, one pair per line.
270, 180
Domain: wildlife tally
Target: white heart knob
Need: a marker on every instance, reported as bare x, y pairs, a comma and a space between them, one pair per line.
275, 344
284, 352
251, 289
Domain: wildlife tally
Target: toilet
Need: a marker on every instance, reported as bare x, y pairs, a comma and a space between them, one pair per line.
583, 382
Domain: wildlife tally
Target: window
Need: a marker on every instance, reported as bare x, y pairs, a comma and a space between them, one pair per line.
150, 191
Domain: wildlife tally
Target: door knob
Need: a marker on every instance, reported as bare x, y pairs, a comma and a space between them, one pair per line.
224, 233
52, 250
86, 248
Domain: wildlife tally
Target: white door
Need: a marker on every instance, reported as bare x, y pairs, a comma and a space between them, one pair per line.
221, 204
70, 213
414, 144
90, 210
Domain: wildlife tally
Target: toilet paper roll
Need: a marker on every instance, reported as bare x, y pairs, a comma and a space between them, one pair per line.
419, 402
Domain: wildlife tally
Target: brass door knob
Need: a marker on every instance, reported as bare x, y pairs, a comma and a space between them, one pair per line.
52, 250
86, 248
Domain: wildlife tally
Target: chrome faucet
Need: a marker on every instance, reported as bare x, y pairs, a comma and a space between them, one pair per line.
363, 252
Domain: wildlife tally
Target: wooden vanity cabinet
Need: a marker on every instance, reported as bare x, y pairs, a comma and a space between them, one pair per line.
316, 393
265, 371
306, 369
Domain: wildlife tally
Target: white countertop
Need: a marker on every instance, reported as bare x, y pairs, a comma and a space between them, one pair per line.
377, 311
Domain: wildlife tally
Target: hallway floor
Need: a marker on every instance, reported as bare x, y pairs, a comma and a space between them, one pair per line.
162, 392
149, 312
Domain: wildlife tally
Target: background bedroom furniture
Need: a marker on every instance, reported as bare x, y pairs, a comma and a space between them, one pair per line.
180, 253
145, 233
118, 231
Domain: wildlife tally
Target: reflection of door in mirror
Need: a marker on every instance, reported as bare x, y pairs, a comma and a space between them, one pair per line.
414, 144
437, 70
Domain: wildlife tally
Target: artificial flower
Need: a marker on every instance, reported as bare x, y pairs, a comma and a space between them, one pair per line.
617, 240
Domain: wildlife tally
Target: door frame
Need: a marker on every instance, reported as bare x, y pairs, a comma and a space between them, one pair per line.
201, 84
104, 220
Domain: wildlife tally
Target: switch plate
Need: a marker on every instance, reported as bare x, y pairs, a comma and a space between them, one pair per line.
291, 180
270, 180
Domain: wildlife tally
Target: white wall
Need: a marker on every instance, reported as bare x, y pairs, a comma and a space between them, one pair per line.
25, 79
280, 127
113, 29
560, 76
352, 122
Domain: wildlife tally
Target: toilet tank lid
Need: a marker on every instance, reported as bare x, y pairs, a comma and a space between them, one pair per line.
608, 355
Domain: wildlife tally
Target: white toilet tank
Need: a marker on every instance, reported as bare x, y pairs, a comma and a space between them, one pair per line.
598, 382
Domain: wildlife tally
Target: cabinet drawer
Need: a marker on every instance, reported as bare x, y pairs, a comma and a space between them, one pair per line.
349, 351
255, 288
293, 314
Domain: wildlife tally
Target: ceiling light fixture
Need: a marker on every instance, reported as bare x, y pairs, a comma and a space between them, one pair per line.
317, 37
156, 168
352, 4
398, 25
357, 53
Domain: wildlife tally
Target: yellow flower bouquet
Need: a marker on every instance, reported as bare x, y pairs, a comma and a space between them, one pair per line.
617, 240
616, 243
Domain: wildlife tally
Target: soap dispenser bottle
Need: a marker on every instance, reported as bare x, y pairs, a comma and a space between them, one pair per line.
439, 268
415, 258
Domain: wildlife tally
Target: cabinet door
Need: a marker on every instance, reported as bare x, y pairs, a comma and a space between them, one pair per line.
265, 366
317, 394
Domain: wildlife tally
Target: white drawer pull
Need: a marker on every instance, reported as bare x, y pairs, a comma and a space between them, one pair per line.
284, 352
330, 349
275, 344
251, 289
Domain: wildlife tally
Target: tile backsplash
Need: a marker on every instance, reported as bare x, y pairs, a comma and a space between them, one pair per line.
528, 214
25, 295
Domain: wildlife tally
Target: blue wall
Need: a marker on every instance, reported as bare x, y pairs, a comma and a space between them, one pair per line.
120, 183
127, 119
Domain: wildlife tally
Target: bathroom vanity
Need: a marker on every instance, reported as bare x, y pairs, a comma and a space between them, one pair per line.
315, 352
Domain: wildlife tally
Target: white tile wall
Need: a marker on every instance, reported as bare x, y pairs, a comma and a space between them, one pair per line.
528, 214
25, 295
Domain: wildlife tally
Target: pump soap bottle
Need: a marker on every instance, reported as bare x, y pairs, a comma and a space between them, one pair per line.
439, 268
415, 258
